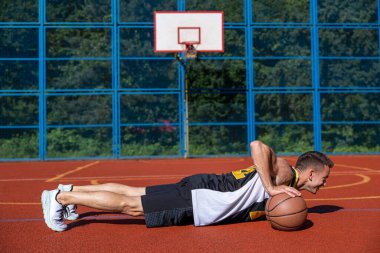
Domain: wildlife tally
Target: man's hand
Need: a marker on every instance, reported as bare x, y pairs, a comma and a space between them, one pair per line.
274, 190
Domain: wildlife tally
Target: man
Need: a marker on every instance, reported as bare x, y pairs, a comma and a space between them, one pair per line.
202, 199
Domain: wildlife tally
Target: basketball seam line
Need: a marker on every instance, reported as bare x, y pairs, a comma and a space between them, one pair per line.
287, 226
279, 202
286, 214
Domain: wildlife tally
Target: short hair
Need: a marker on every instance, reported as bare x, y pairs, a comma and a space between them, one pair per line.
313, 158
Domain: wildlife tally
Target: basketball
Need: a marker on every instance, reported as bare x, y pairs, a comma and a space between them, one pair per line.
286, 213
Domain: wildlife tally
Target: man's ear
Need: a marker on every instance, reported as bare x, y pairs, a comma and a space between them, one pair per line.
310, 174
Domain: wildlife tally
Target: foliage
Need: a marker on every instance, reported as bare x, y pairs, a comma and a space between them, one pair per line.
217, 140
78, 11
85, 92
19, 144
287, 138
150, 141
19, 10
280, 11
79, 142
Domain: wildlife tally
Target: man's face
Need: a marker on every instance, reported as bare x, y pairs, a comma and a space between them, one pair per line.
317, 179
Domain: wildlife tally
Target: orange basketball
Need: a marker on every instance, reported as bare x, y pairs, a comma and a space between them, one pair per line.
285, 212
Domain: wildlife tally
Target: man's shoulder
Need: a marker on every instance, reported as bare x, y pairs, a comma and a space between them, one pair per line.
282, 163
284, 172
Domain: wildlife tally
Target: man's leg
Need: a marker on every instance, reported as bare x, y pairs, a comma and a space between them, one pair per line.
111, 187
104, 200
53, 203
70, 212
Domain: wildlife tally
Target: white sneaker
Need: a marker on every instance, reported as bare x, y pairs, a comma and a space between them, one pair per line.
53, 211
69, 213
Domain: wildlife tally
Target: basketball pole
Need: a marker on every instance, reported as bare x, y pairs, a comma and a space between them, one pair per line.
182, 60
180, 32
186, 155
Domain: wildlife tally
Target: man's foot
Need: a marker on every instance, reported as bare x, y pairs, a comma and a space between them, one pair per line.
69, 213
53, 211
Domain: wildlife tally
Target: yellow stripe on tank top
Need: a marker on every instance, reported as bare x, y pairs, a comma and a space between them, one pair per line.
297, 177
239, 174
256, 214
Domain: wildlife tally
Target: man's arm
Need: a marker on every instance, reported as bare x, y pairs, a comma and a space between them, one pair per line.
266, 165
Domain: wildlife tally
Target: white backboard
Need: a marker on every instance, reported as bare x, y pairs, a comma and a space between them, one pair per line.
173, 29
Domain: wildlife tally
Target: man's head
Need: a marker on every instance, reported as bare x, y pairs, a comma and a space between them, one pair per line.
314, 167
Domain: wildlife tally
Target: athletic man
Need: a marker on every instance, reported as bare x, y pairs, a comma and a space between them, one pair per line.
201, 199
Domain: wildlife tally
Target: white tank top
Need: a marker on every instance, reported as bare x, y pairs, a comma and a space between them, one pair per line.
210, 206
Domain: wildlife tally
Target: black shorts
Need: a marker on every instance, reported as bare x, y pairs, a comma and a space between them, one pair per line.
168, 205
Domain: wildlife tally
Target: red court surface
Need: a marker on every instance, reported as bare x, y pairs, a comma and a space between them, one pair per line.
343, 217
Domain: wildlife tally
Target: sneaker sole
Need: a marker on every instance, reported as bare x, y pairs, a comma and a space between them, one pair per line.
45, 200
71, 218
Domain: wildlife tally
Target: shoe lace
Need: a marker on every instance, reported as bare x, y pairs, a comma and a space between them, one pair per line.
59, 217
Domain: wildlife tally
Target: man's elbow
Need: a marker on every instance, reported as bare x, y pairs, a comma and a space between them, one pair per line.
256, 144
260, 147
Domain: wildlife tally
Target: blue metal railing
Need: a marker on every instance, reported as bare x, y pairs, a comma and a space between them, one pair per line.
314, 88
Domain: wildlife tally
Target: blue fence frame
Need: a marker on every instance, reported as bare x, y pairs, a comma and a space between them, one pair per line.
251, 89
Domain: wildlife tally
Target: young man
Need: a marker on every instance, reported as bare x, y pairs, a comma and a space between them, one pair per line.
202, 199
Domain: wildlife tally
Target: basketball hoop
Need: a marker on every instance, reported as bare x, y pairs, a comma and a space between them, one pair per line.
190, 50
189, 38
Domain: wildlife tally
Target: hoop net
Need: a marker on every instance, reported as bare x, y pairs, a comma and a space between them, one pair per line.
190, 50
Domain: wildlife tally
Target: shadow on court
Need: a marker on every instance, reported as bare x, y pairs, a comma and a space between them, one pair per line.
321, 209
105, 218
308, 224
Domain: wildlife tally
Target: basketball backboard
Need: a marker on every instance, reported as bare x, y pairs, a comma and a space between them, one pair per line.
174, 31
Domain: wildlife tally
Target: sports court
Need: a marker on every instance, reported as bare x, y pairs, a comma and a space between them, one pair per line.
343, 217
148, 92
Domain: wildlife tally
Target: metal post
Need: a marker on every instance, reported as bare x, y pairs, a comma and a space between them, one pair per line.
183, 84
115, 84
184, 94
250, 74
186, 154
315, 77
41, 82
